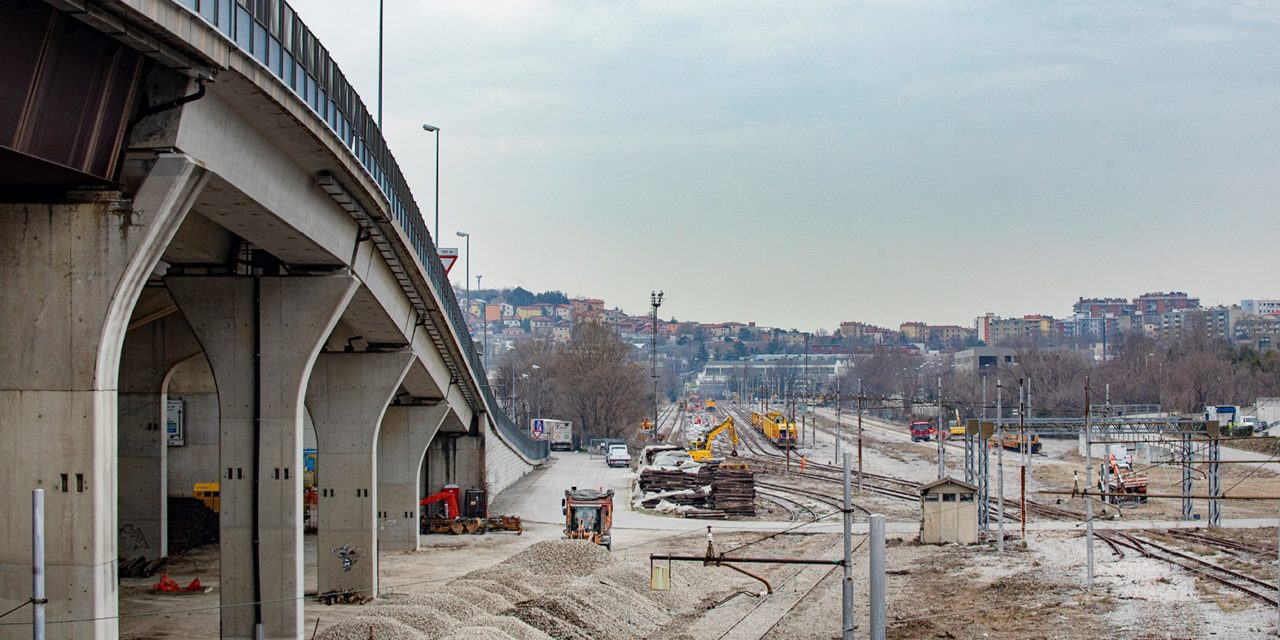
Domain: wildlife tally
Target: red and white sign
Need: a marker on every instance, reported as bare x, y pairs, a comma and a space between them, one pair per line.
448, 255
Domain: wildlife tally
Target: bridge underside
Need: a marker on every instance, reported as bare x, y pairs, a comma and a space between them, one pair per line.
185, 304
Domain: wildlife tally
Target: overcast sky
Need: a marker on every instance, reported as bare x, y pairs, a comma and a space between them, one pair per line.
803, 163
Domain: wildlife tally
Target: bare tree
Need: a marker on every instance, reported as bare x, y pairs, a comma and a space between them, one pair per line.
597, 386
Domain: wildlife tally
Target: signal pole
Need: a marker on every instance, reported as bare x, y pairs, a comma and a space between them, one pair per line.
999, 466
942, 454
860, 398
655, 301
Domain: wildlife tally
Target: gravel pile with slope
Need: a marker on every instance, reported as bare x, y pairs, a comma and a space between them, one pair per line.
561, 557
365, 627
564, 589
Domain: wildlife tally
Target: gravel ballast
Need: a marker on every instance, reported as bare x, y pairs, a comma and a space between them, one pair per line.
565, 589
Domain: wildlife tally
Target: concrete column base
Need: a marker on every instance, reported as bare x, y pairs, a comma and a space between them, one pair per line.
71, 274
289, 318
407, 431
346, 396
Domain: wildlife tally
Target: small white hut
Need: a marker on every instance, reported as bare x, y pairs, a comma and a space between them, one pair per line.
948, 512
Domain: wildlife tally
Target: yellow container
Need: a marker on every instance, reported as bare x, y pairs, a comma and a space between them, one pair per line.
208, 493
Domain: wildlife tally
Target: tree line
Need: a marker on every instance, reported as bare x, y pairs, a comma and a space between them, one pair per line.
592, 380
1181, 374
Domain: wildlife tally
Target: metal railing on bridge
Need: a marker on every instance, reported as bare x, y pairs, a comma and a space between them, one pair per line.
270, 32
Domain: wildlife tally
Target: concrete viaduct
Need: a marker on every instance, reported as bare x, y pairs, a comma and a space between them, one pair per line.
196, 207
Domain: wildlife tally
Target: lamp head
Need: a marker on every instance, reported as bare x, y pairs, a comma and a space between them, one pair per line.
429, 128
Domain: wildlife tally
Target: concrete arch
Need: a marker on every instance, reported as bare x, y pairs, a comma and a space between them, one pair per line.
406, 435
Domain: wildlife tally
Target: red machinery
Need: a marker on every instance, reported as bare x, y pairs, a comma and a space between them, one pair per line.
1122, 479
453, 520
921, 430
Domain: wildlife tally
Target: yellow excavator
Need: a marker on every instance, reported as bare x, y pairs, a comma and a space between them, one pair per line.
700, 450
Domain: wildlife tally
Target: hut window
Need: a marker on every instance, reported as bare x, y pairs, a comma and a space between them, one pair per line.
966, 497
948, 497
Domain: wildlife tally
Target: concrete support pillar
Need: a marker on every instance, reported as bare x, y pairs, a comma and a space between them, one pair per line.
261, 336
407, 431
455, 459
151, 351
347, 396
70, 274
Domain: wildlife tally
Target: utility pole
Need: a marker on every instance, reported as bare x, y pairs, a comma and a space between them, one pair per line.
984, 466
655, 301
1088, 483
877, 576
839, 424
37, 562
484, 328
860, 398
999, 467
846, 591
1025, 449
942, 454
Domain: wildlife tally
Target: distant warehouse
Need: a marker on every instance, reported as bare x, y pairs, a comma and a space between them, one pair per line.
985, 358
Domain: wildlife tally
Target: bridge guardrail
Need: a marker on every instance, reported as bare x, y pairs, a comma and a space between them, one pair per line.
270, 32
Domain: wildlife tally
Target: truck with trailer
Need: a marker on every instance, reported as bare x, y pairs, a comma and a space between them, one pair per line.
559, 433
1226, 415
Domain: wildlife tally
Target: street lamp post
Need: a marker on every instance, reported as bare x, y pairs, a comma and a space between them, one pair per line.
484, 328
436, 130
463, 234
380, 23
655, 300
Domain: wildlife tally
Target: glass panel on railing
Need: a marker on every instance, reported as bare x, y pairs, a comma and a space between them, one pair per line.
224, 22
260, 43
273, 53
289, 28
286, 68
209, 10
244, 29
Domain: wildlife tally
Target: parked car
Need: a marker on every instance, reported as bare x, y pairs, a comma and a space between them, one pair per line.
618, 456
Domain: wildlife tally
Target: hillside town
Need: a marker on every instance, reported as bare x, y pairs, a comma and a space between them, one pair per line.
1093, 324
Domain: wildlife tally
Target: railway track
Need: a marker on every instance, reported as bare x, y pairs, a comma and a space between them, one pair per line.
781, 497
1244, 583
1230, 547
888, 486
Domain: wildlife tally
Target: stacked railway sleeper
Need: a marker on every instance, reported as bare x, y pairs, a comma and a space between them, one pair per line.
712, 491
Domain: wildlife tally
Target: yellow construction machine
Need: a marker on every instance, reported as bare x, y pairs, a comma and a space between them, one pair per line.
700, 451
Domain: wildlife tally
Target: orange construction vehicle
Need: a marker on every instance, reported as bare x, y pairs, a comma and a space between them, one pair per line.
453, 520
1120, 478
588, 515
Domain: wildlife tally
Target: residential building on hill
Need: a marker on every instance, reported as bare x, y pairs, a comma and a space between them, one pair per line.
1154, 304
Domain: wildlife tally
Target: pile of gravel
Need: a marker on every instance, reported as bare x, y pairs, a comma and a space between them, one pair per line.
442, 601
488, 601
479, 633
418, 617
561, 557
514, 627
510, 594
365, 627
564, 589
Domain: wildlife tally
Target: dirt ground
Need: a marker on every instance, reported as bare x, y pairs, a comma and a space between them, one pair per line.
932, 591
